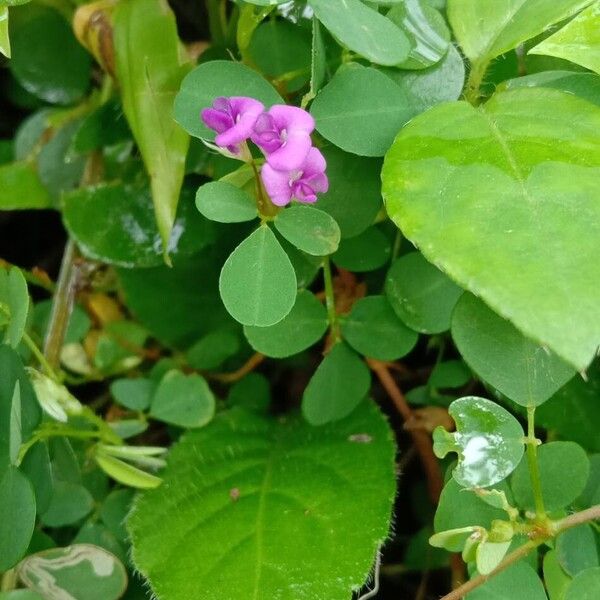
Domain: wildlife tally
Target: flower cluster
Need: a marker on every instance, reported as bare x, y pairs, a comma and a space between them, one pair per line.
295, 169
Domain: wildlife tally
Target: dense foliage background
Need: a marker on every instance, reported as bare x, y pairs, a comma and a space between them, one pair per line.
204, 395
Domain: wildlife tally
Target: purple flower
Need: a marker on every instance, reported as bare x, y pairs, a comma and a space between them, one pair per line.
233, 119
283, 133
303, 184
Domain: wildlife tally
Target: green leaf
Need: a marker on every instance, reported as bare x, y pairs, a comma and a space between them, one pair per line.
4, 38
465, 183
81, 571
38, 469
98, 535
279, 48
20, 595
585, 585
226, 203
428, 87
183, 400
149, 75
425, 29
70, 502
301, 328
264, 490
354, 196
490, 554
363, 30
309, 229
125, 473
518, 582
115, 223
420, 294
41, 67
578, 41
361, 110
449, 374
193, 310
556, 580
337, 387
318, 60
251, 393
29, 412
366, 251
554, 459
212, 350
212, 80
373, 329
504, 357
134, 394
17, 507
114, 512
488, 441
577, 549
21, 188
460, 508
258, 284
487, 29
14, 305
574, 411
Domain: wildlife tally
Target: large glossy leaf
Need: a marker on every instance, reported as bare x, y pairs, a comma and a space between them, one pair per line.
363, 30
115, 223
502, 356
261, 507
149, 74
487, 29
487, 194
578, 41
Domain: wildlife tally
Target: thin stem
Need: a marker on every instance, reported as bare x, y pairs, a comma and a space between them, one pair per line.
40, 357
330, 298
266, 209
472, 89
62, 306
534, 468
421, 439
249, 366
578, 518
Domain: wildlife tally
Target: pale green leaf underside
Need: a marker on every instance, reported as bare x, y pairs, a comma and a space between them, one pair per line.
578, 41
505, 200
246, 501
486, 29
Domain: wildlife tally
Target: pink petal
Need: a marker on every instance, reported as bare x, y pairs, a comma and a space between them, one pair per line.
277, 184
292, 117
315, 163
293, 153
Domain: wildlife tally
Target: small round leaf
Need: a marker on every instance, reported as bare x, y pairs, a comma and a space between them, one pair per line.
225, 203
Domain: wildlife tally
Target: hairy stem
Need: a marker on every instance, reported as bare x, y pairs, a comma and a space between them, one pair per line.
534, 468
472, 89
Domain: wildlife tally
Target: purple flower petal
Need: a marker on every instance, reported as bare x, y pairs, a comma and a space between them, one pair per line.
277, 184
233, 119
293, 153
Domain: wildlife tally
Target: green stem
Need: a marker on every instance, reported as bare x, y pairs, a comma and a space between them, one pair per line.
215, 21
330, 298
266, 209
534, 468
472, 91
40, 357
62, 306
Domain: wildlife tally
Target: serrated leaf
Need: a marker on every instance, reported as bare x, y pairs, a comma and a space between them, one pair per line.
81, 571
480, 235
279, 487
502, 356
149, 75
257, 283
336, 388
489, 442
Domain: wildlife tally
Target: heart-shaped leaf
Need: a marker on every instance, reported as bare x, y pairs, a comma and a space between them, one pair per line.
466, 184
489, 442
266, 492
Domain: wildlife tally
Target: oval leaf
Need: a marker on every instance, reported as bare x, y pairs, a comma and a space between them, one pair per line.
258, 283
224, 202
